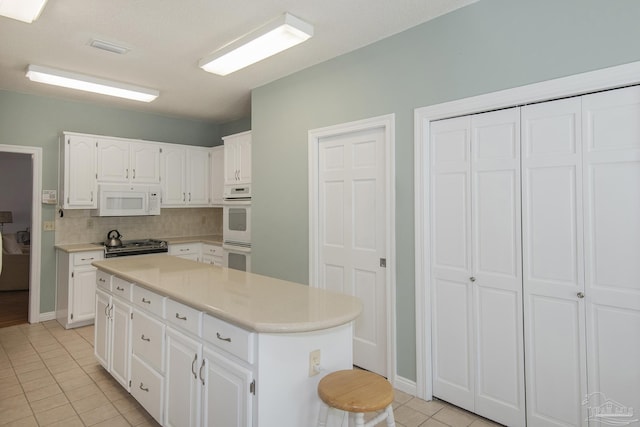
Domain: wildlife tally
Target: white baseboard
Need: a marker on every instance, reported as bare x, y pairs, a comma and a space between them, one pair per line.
47, 316
405, 385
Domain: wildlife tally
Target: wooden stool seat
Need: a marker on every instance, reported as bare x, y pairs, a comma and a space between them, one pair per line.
356, 391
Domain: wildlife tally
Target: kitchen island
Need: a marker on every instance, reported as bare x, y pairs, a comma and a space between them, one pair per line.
197, 344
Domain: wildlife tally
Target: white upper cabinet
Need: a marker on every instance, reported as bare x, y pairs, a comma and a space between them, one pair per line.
185, 175
78, 188
124, 161
237, 158
216, 172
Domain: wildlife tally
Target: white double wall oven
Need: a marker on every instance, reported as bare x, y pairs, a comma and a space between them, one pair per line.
236, 224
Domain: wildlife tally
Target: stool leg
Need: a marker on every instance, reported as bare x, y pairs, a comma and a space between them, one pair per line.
359, 416
324, 414
391, 422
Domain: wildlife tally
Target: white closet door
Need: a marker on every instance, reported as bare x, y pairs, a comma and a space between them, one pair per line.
553, 263
497, 266
453, 344
611, 131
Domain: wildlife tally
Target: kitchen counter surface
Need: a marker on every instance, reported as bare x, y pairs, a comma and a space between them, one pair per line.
252, 301
213, 239
80, 247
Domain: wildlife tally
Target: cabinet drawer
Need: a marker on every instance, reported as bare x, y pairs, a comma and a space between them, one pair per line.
103, 280
86, 258
184, 317
149, 300
121, 288
228, 337
147, 387
212, 250
147, 337
185, 249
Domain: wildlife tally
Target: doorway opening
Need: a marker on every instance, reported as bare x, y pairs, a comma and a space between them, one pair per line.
20, 185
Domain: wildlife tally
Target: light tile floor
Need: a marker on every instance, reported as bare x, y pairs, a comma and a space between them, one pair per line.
50, 377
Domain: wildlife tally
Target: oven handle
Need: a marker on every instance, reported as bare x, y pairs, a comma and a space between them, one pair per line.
234, 248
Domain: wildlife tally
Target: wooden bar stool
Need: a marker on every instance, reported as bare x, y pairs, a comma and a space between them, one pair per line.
356, 391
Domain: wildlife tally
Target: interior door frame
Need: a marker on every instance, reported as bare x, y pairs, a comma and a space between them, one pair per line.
387, 123
593, 81
36, 219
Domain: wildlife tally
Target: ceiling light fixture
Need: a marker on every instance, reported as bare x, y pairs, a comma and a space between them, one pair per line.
54, 77
22, 10
108, 46
280, 34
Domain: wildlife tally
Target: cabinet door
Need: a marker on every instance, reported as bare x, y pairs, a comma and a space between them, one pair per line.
145, 163
553, 268
113, 161
83, 289
243, 159
120, 341
182, 404
230, 163
101, 337
216, 171
173, 174
80, 172
227, 392
197, 177
611, 167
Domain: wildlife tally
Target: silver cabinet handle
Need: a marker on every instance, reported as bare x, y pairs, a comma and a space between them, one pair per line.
111, 312
184, 197
143, 388
189, 196
102, 280
580, 294
134, 174
473, 279
89, 259
127, 173
222, 339
180, 317
193, 370
201, 377
119, 288
146, 301
92, 196
106, 310
145, 339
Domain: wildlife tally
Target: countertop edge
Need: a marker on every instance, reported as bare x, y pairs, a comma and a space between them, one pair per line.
262, 327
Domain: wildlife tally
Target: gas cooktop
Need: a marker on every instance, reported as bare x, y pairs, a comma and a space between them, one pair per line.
136, 247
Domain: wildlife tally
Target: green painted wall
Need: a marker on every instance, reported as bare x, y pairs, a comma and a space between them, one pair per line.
236, 126
38, 121
485, 47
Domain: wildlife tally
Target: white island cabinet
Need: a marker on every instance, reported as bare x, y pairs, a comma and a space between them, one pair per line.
212, 346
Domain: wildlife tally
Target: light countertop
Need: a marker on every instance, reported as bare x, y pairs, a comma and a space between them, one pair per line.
213, 239
252, 301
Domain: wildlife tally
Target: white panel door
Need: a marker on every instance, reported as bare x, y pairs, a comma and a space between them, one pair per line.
145, 163
477, 338
80, 172
497, 266
553, 267
102, 329
453, 347
83, 291
173, 162
120, 360
353, 235
197, 176
611, 132
182, 391
113, 161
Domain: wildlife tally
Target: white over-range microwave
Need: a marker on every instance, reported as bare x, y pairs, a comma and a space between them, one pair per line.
128, 200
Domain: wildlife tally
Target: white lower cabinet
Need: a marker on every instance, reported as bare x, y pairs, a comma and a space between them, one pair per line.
112, 336
76, 286
186, 250
182, 401
227, 391
147, 386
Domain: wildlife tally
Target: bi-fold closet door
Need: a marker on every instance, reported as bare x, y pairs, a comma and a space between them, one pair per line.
580, 281
477, 314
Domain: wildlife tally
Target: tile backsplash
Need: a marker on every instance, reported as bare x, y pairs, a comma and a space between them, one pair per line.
78, 226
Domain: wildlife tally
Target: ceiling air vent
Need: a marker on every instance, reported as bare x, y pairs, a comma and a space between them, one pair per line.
109, 47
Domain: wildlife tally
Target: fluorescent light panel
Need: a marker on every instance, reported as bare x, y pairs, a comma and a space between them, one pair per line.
22, 10
270, 39
66, 79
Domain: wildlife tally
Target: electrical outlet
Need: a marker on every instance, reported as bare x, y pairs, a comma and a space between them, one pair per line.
48, 225
314, 363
